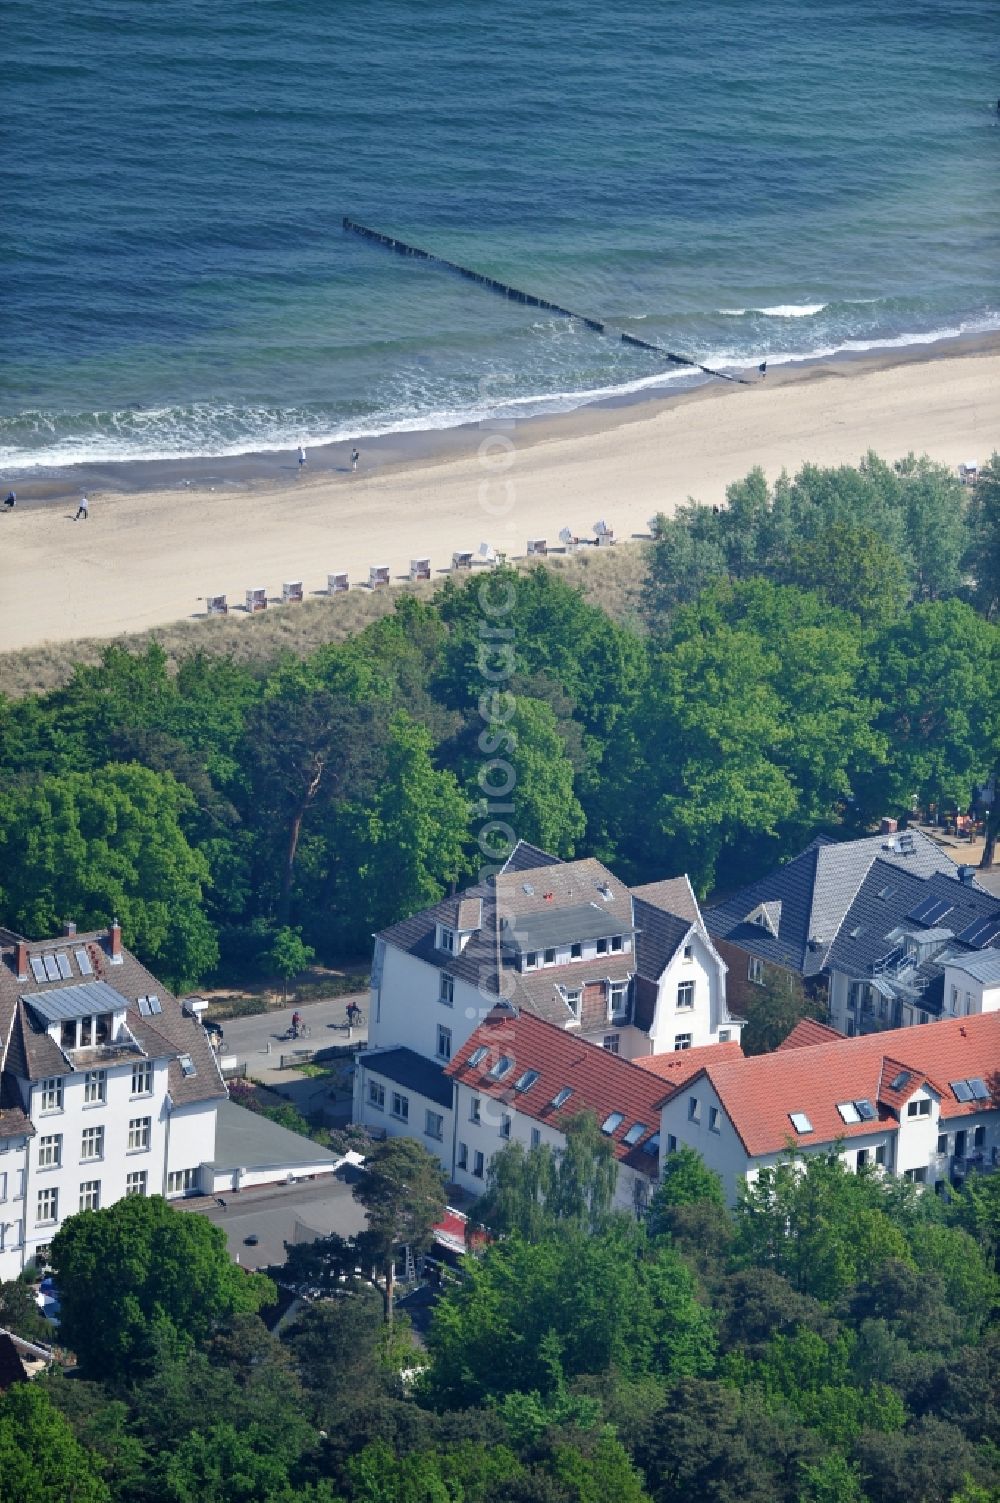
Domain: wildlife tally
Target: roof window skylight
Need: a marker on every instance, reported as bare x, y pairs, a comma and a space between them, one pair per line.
899, 1081
962, 1089
502, 1067
612, 1122
865, 1110
526, 1081
635, 1133
800, 1122
478, 1055
562, 1096
848, 1111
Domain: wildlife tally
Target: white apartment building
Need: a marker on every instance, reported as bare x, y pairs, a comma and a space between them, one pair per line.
108, 1087
634, 973
920, 1102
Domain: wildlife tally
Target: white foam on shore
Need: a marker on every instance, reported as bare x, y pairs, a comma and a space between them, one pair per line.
274, 430
780, 310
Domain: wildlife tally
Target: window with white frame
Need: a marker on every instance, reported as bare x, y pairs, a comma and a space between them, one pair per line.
136, 1182
92, 1143
617, 943
685, 996
3, 1185
505, 1125
50, 1095
434, 1125
447, 940
475, 1109
694, 1109
50, 1151
916, 1176
576, 951
400, 1106
142, 1078
602, 947
714, 1119
376, 1094
725, 1034
446, 989
682, 1041
478, 1165
671, 1143
443, 1042
47, 1209
531, 960
536, 1136
180, 1181
574, 999
689, 952
549, 957
920, 1108
95, 1087
463, 1155
618, 999
90, 1195
612, 1042
138, 1134
880, 1153
755, 970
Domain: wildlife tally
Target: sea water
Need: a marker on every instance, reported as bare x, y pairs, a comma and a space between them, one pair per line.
735, 179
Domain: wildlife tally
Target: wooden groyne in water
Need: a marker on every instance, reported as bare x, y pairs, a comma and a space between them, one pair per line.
516, 295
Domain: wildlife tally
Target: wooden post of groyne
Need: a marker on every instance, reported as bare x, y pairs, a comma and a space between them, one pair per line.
515, 294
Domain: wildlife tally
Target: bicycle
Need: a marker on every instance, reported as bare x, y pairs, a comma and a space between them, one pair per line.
355, 1018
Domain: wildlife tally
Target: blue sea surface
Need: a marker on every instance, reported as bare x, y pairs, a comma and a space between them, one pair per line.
734, 179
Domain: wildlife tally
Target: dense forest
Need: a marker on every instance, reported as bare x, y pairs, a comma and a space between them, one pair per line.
830, 1340
810, 656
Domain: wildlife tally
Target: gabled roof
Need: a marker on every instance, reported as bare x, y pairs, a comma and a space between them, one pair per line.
681, 1064
527, 857
808, 1031
526, 896
815, 890
759, 1092
886, 903
31, 1054
597, 1081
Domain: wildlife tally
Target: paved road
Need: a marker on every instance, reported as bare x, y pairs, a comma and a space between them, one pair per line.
276, 1214
248, 1038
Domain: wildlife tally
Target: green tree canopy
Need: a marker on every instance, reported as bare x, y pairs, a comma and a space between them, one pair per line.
530, 1191
40, 1461
169, 1270
402, 1191
92, 846
288, 956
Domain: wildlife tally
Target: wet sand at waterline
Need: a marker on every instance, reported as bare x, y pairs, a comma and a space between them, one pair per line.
149, 557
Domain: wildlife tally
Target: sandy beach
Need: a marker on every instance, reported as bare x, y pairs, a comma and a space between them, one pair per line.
150, 557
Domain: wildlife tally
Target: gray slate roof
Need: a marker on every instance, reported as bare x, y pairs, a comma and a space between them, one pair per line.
658, 937
864, 935
406, 1068
524, 894
61, 1003
246, 1140
29, 1052
816, 890
984, 966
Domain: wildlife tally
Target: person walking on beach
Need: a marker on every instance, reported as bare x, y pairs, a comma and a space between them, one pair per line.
11, 500
355, 456
763, 369
83, 510
302, 456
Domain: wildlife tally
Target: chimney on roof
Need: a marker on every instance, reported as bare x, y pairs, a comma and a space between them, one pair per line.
115, 936
69, 928
21, 960
967, 874
888, 826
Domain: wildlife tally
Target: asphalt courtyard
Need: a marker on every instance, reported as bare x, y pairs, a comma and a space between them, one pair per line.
261, 1041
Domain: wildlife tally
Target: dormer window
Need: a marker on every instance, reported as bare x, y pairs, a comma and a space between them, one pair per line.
446, 940
576, 953
574, 999
531, 960
602, 947
617, 1000
617, 942
550, 957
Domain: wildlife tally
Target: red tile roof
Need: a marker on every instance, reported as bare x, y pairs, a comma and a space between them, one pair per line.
600, 1082
808, 1031
759, 1091
682, 1064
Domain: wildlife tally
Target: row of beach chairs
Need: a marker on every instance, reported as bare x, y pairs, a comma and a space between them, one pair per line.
379, 575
